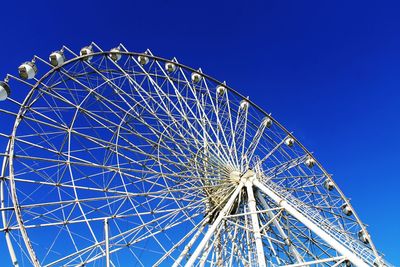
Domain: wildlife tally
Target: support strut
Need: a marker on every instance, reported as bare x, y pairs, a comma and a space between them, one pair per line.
214, 226
353, 258
255, 223
106, 237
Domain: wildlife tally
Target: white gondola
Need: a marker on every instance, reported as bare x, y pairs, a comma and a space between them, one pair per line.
4, 91
289, 141
267, 122
221, 90
329, 185
196, 77
363, 237
115, 54
143, 60
347, 210
57, 58
244, 104
27, 70
87, 51
170, 67
310, 162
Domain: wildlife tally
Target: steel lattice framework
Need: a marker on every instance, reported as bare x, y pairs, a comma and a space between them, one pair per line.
118, 158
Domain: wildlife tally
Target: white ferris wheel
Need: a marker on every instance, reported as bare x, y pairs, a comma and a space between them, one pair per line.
116, 158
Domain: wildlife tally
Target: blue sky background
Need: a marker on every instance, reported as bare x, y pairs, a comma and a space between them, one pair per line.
327, 70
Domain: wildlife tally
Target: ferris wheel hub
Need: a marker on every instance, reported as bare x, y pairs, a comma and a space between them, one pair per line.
237, 176
234, 176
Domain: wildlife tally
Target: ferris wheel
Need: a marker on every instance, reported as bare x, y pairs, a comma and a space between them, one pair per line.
116, 158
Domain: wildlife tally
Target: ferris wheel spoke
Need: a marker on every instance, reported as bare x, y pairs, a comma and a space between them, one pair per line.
274, 219
78, 162
202, 112
214, 111
66, 202
270, 153
53, 107
208, 138
50, 125
44, 216
170, 226
284, 250
225, 124
125, 234
239, 133
231, 129
118, 193
43, 139
38, 119
70, 221
286, 166
255, 142
132, 147
198, 229
318, 252
149, 126
161, 92
144, 99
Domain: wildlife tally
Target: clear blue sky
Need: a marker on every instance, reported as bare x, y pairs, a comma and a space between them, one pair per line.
327, 70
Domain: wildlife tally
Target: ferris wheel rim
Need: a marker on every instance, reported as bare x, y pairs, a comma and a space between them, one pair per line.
23, 109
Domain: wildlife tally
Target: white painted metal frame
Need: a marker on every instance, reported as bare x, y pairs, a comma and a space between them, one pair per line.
175, 155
